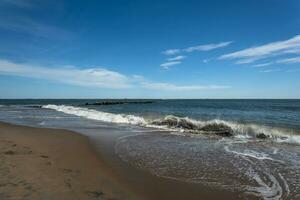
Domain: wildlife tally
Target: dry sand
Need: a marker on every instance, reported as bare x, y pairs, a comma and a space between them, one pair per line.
52, 164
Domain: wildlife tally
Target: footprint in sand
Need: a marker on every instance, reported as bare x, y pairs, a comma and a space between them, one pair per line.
95, 194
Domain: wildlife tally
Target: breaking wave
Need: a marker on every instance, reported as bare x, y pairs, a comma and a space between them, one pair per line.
97, 115
187, 125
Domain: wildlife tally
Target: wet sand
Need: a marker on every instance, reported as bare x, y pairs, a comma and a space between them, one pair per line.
39, 163
46, 164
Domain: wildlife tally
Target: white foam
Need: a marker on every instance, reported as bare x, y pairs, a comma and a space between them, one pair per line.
247, 131
240, 130
272, 191
240, 136
97, 115
292, 139
42, 123
250, 153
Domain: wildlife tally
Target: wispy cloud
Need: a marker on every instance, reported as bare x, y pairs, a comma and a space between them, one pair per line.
262, 64
169, 64
176, 58
205, 60
289, 60
95, 77
270, 70
246, 61
170, 52
32, 27
172, 87
207, 47
14, 16
204, 47
252, 54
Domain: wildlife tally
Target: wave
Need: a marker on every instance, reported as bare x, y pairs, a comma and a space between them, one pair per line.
187, 125
97, 115
222, 127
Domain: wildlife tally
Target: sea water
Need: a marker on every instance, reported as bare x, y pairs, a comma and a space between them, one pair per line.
264, 168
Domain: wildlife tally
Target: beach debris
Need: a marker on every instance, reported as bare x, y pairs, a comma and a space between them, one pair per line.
95, 193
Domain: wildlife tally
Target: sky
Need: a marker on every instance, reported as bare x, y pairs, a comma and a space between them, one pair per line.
150, 49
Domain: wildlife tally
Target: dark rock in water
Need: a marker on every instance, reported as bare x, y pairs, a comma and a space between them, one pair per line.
35, 106
116, 102
187, 125
218, 129
170, 122
183, 123
262, 136
175, 122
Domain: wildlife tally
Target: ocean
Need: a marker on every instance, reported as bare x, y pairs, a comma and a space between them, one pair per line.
252, 146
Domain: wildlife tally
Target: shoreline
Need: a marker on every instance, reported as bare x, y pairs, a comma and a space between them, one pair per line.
42, 163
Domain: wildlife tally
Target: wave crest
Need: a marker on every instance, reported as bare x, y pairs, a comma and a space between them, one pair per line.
185, 124
97, 115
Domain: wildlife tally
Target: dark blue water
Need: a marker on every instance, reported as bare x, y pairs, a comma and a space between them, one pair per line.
278, 113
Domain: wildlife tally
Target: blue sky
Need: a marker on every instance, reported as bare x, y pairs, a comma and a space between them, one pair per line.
150, 49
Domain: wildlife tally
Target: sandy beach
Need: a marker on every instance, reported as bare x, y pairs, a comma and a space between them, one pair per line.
41, 163
52, 164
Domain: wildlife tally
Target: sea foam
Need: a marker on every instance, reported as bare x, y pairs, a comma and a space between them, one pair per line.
182, 124
97, 115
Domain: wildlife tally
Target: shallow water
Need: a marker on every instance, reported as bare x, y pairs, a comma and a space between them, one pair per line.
271, 171
268, 169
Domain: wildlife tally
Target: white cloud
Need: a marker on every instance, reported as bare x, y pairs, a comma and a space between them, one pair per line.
270, 70
170, 52
172, 87
94, 77
169, 64
17, 19
262, 64
204, 47
176, 58
205, 60
289, 60
246, 61
207, 47
252, 54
